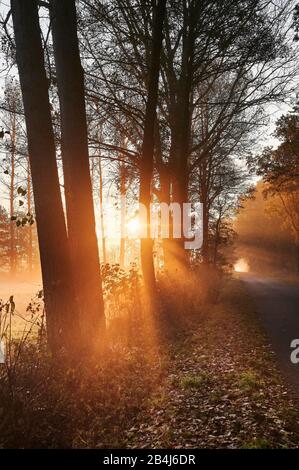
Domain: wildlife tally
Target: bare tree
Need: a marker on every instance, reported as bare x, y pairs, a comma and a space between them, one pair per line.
147, 156
78, 190
59, 294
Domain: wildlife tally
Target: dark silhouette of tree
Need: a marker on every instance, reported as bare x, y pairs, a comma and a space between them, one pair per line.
280, 170
147, 155
78, 190
59, 294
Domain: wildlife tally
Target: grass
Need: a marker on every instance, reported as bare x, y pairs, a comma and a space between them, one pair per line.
249, 380
194, 381
257, 444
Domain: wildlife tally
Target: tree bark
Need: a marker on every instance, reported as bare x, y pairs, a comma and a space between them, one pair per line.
13, 254
182, 124
52, 235
103, 235
146, 168
78, 191
216, 241
30, 237
204, 198
123, 205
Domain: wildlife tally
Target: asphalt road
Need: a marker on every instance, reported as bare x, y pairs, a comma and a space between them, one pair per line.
277, 306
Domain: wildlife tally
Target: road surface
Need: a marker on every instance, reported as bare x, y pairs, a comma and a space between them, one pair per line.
277, 306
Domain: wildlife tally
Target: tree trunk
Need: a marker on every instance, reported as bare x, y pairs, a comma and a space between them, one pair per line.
182, 123
103, 235
30, 237
146, 164
12, 249
53, 245
167, 243
78, 191
123, 207
216, 241
205, 215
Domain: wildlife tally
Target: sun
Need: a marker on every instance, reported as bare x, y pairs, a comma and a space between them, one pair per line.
133, 226
241, 266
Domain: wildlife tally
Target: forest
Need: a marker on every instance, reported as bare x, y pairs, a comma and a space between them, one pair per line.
149, 224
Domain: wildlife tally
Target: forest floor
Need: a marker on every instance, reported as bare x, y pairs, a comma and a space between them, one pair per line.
223, 387
205, 379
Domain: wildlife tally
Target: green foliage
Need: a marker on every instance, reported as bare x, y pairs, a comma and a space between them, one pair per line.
257, 444
121, 289
117, 281
280, 167
194, 381
249, 381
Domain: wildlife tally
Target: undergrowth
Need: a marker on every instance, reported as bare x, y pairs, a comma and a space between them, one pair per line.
181, 377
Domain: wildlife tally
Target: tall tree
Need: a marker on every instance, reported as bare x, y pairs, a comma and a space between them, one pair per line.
245, 44
12, 103
78, 189
280, 171
13, 253
29, 212
103, 233
123, 208
53, 244
147, 156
